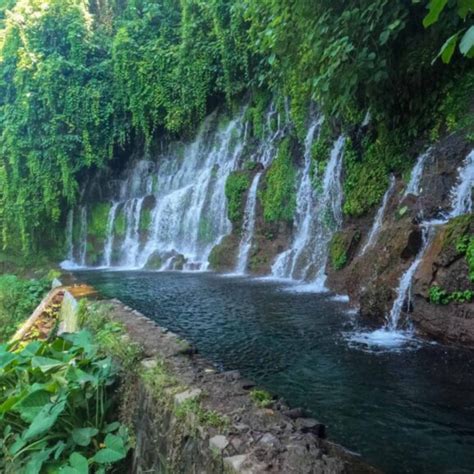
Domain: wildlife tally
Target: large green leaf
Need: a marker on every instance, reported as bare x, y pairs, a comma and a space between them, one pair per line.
45, 364
435, 8
78, 464
45, 419
114, 450
83, 436
31, 405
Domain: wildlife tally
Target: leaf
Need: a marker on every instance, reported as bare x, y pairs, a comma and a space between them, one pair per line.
78, 465
83, 436
464, 7
45, 364
447, 50
113, 452
32, 404
6, 359
435, 8
466, 45
112, 427
36, 462
45, 419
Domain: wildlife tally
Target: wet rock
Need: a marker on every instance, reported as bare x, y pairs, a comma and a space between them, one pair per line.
295, 413
310, 425
231, 375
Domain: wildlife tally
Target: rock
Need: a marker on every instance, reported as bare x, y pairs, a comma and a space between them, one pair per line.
270, 440
235, 462
218, 443
247, 384
241, 427
294, 413
310, 425
231, 375
182, 397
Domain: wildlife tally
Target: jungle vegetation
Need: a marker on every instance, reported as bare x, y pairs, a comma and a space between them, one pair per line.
84, 81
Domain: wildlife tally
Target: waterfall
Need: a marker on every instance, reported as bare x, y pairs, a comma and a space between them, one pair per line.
83, 237
248, 226
69, 236
416, 174
286, 263
318, 217
190, 216
109, 242
461, 194
131, 244
461, 203
377, 225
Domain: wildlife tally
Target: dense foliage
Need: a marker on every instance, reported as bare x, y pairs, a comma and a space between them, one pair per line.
55, 405
18, 299
82, 81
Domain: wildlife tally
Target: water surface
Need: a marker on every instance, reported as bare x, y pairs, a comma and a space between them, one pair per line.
406, 411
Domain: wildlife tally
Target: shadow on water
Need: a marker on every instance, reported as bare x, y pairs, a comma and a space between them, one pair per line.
407, 411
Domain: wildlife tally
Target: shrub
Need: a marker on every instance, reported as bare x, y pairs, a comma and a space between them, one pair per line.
18, 299
279, 194
235, 188
56, 407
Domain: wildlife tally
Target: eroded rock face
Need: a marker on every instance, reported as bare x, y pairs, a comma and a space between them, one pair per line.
445, 267
371, 279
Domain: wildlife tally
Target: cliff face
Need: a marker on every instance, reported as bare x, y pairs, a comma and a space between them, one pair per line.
371, 278
269, 203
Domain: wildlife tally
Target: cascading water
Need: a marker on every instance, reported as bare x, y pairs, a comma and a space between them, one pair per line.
109, 242
190, 216
461, 194
187, 216
319, 214
417, 173
461, 203
131, 244
83, 237
70, 236
248, 226
377, 225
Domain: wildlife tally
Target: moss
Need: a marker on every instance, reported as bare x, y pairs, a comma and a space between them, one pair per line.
120, 225
457, 230
235, 188
338, 251
145, 220
459, 235
341, 248
98, 216
223, 255
368, 165
279, 193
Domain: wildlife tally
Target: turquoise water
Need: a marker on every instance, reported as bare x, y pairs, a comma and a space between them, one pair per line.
410, 411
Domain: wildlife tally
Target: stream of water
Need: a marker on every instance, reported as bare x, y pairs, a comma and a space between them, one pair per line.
404, 411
